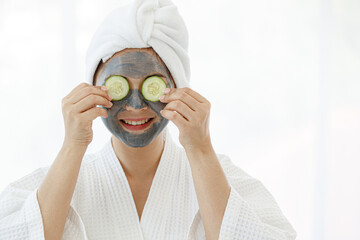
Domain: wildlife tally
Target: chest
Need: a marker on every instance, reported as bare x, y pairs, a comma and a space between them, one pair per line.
110, 205
140, 192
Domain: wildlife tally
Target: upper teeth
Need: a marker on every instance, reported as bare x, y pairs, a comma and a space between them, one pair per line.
136, 123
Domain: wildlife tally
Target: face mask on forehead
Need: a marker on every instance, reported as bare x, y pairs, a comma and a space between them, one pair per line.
135, 66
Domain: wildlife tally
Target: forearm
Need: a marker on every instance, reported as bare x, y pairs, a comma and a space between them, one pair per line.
212, 189
56, 190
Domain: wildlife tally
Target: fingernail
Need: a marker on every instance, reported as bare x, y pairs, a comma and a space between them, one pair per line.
162, 97
166, 90
103, 88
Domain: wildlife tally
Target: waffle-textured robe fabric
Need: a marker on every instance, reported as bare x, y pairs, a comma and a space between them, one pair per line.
102, 206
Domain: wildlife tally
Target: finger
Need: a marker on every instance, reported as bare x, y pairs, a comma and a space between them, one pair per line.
191, 102
189, 92
90, 102
78, 87
181, 108
93, 113
175, 117
87, 91
195, 95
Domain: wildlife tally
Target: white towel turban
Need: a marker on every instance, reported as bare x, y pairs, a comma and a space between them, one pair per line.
142, 24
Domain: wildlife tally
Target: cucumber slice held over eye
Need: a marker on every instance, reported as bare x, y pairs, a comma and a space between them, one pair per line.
118, 87
152, 88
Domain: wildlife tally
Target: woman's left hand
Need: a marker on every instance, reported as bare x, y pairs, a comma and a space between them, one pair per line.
191, 117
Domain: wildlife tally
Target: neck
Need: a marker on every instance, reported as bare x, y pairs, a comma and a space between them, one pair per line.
139, 163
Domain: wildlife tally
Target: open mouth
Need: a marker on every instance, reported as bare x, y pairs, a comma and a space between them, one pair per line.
136, 125
133, 123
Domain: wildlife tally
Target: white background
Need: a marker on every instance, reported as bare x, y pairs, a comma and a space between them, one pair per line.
283, 78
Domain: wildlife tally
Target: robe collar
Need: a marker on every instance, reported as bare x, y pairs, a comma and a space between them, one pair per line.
158, 203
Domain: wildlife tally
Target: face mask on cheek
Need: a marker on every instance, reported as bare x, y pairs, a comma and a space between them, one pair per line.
136, 101
131, 138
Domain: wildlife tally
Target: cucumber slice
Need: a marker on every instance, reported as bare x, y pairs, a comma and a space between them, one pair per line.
118, 87
152, 88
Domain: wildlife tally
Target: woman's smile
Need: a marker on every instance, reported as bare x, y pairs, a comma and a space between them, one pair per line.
136, 126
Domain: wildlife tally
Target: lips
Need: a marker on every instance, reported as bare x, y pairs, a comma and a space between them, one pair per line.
135, 119
136, 127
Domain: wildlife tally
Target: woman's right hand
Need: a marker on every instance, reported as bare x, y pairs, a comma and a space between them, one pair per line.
79, 110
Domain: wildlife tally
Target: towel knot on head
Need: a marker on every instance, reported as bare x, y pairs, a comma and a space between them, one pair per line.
143, 24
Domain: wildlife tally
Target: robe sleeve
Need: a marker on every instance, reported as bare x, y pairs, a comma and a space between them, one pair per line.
251, 211
20, 215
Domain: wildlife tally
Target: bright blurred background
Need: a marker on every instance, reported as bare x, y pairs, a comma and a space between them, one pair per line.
283, 78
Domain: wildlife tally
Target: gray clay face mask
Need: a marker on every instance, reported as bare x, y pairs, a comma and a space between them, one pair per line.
135, 66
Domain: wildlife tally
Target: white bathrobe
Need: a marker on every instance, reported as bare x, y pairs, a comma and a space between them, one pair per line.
102, 206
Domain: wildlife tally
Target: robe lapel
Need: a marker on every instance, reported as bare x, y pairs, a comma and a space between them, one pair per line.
121, 207
158, 202
157, 208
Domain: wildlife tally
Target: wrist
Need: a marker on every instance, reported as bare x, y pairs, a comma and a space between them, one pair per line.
205, 148
73, 145
200, 152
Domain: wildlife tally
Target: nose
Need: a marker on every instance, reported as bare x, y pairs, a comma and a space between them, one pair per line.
136, 100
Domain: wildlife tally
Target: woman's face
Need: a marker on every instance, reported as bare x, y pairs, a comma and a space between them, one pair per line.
135, 65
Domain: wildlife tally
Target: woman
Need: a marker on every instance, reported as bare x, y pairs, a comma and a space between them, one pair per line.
140, 185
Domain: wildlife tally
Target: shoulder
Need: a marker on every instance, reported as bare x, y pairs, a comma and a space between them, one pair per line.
245, 184
33, 179
229, 167
29, 181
